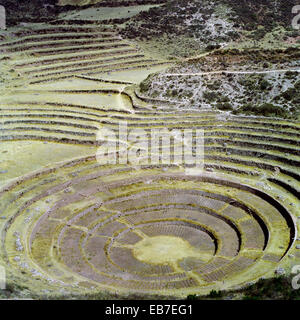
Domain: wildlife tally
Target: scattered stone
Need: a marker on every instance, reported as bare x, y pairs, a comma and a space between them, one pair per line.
280, 271
27, 219
19, 245
36, 273
24, 265
260, 184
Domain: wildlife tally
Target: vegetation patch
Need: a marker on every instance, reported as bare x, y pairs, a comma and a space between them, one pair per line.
242, 82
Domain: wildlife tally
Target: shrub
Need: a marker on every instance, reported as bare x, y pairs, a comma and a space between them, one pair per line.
291, 74
224, 106
264, 84
224, 99
215, 294
214, 86
290, 94
212, 47
192, 297
210, 96
269, 109
145, 85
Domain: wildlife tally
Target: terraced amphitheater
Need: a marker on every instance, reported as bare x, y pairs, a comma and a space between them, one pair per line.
73, 225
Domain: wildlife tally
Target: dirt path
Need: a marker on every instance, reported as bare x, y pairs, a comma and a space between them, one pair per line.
229, 72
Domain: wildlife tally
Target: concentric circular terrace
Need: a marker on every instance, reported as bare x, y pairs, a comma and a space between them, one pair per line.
79, 225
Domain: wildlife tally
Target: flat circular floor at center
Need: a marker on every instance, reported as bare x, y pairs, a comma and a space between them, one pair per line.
165, 249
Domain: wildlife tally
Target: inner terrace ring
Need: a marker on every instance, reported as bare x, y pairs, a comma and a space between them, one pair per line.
100, 227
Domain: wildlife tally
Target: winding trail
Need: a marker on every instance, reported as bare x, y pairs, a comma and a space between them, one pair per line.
229, 72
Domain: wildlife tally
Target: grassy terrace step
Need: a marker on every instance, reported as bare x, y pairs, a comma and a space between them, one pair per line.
132, 65
51, 124
201, 115
110, 82
277, 137
213, 117
207, 178
209, 155
57, 38
56, 25
248, 170
65, 105
32, 129
279, 144
206, 125
37, 117
284, 136
49, 110
78, 121
259, 178
83, 62
38, 31
41, 120
61, 43
256, 163
165, 111
272, 123
148, 66
57, 138
71, 49
35, 130
256, 159
293, 189
46, 53
77, 22
72, 57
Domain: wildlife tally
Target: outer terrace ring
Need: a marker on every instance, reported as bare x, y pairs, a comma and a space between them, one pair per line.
162, 214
